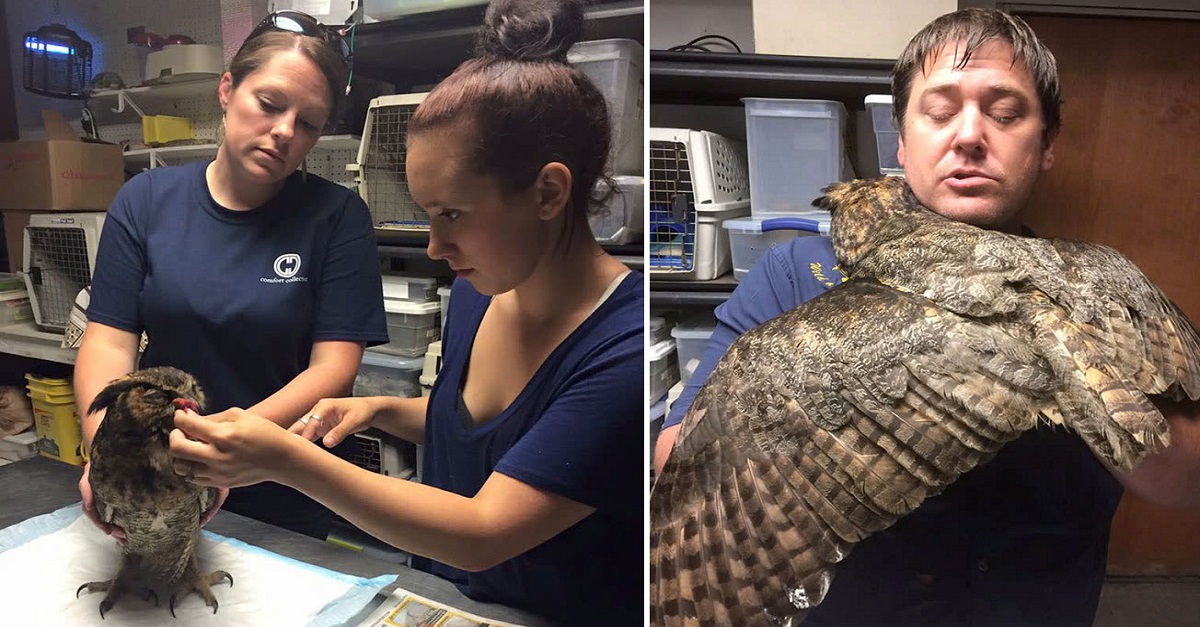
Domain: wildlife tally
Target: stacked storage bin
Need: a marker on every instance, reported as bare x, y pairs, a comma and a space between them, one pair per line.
796, 148
615, 67
394, 369
663, 371
412, 306
887, 136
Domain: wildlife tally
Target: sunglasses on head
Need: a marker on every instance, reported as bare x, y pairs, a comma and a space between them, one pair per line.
305, 24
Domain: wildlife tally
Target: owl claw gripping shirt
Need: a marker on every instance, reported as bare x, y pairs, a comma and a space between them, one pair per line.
237, 298
576, 430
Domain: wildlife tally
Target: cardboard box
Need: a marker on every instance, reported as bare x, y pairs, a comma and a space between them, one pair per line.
61, 173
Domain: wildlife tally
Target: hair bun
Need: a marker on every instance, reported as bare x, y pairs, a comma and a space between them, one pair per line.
530, 30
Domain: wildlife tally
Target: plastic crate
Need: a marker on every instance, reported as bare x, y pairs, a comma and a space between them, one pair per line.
380, 167
620, 220
664, 368
698, 179
615, 67
411, 327
751, 238
60, 256
658, 329
887, 136
444, 300
796, 148
385, 455
388, 375
417, 289
15, 307
691, 338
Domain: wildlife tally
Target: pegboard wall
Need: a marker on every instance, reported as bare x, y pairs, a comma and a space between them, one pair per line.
222, 23
104, 24
331, 165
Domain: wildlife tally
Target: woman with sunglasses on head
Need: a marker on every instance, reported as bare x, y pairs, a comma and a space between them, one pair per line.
261, 281
532, 494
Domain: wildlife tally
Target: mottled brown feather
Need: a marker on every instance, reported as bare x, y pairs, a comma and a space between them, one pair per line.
832, 421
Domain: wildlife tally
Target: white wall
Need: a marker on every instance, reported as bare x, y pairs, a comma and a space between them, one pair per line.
675, 22
866, 29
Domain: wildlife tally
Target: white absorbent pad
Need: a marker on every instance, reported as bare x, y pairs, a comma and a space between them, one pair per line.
46, 558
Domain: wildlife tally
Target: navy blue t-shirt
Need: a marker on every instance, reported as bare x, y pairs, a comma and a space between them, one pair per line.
576, 430
1022, 540
237, 298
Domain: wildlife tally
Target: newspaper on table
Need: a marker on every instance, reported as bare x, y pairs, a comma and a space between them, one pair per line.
407, 609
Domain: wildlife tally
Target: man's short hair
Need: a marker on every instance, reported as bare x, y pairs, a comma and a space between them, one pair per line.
974, 27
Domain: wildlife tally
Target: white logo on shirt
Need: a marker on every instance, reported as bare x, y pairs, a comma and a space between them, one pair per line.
287, 265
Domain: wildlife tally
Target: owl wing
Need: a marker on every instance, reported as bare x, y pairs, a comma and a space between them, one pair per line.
817, 429
1148, 338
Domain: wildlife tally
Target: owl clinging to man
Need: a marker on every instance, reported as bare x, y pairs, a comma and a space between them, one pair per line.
832, 421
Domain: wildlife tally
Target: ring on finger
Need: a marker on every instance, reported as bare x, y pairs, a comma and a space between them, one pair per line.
304, 421
316, 418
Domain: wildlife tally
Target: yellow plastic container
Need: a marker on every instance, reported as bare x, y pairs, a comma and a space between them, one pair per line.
161, 129
56, 419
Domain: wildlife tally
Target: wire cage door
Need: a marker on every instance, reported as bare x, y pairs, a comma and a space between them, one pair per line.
60, 254
383, 182
672, 208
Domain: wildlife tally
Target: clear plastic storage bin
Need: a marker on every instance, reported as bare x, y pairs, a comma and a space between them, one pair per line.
664, 368
411, 327
619, 221
444, 301
615, 67
657, 330
750, 238
796, 148
887, 136
388, 375
691, 338
417, 289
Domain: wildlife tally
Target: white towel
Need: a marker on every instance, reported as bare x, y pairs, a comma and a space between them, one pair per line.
48, 557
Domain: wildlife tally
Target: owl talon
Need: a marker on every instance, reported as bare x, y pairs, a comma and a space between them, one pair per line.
105, 606
148, 594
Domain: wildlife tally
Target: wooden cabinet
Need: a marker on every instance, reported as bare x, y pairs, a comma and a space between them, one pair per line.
1125, 176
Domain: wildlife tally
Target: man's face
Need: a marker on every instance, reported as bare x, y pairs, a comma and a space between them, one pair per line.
972, 143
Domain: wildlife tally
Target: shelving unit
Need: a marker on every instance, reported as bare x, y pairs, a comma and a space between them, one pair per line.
171, 155
155, 98
723, 79
424, 48
26, 340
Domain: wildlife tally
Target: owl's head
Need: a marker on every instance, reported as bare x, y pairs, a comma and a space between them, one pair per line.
867, 213
149, 395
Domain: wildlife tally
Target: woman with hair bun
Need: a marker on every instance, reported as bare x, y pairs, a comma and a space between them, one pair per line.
533, 474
